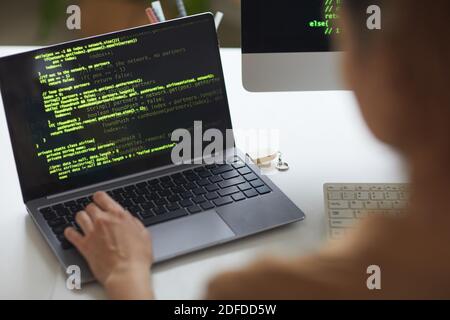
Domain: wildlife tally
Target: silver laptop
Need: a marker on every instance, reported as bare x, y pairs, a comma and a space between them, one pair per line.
98, 113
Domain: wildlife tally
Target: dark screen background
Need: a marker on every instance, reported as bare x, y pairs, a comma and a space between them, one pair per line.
192, 51
283, 26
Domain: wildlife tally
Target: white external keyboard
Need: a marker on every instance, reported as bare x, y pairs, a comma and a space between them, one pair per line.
346, 203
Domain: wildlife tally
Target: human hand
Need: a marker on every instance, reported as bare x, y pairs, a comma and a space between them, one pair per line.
116, 246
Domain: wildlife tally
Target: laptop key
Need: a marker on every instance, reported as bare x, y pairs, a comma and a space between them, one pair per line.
203, 182
230, 175
164, 217
187, 195
198, 199
212, 187
186, 203
194, 209
263, 190
222, 169
56, 222
207, 205
231, 182
239, 164
173, 207
228, 191
215, 179
205, 174
223, 201
250, 193
238, 196
250, 177
211, 196
244, 186
159, 211
244, 171
257, 183
199, 191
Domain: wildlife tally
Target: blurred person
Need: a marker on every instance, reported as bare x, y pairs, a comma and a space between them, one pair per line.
400, 78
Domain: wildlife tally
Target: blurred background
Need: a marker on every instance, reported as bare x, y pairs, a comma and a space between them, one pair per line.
43, 22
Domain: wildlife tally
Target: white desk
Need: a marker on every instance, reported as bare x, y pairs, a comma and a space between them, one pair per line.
322, 137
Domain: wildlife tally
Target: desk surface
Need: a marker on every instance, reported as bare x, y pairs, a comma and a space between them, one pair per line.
323, 138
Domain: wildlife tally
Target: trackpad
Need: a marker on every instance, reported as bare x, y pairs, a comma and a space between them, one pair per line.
188, 234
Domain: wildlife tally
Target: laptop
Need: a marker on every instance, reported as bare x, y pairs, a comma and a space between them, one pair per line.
98, 113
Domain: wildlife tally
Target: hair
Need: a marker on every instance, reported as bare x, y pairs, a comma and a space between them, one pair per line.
414, 35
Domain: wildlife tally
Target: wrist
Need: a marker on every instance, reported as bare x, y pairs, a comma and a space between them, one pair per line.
132, 283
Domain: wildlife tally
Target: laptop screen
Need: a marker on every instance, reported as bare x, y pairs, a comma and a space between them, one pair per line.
101, 108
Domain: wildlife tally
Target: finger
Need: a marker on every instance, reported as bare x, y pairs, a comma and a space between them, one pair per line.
139, 224
93, 211
74, 237
106, 203
85, 222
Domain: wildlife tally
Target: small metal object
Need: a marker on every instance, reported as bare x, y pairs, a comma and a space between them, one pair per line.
281, 165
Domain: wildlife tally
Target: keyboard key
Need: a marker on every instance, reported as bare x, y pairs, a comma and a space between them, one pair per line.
190, 186
342, 223
263, 190
194, 209
357, 205
174, 198
215, 179
342, 214
231, 182
161, 202
239, 164
211, 196
159, 211
173, 207
230, 175
56, 222
222, 169
335, 195
244, 186
244, 171
186, 203
250, 193
187, 195
250, 177
212, 187
238, 196
203, 182
207, 205
199, 191
223, 201
198, 199
257, 183
165, 217
338, 205
205, 174
228, 191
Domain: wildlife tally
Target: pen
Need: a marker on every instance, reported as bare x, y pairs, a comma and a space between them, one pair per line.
181, 8
151, 16
158, 11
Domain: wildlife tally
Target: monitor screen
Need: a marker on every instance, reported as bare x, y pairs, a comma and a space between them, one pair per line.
101, 108
289, 25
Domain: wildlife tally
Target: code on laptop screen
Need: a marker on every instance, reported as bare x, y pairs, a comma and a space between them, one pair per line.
104, 107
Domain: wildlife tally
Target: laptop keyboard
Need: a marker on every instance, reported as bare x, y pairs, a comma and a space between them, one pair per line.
169, 197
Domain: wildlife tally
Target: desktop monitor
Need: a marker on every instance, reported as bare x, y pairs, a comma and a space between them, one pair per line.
286, 45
